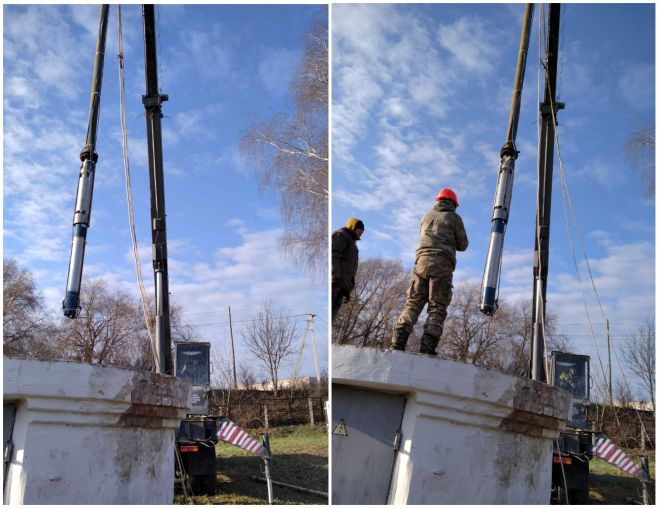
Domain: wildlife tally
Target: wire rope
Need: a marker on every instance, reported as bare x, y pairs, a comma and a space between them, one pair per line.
129, 192
568, 205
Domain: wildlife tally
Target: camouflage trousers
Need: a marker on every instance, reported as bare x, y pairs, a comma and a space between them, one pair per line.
431, 283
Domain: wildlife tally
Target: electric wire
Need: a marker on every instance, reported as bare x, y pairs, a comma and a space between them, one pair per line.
563, 474
129, 192
568, 205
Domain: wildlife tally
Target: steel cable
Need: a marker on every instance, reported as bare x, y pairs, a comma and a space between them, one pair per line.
129, 192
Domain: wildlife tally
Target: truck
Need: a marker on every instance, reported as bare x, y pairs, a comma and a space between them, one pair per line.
570, 462
197, 434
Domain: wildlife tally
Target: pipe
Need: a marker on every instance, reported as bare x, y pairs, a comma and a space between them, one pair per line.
504, 189
88, 157
294, 487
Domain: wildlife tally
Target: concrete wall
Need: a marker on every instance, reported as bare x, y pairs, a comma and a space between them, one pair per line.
470, 435
91, 435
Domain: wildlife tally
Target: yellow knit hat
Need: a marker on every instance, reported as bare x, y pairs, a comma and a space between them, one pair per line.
354, 223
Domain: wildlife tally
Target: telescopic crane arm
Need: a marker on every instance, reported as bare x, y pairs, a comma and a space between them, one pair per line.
548, 110
152, 101
89, 157
504, 189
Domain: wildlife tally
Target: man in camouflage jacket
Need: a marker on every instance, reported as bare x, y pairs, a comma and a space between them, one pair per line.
344, 262
441, 234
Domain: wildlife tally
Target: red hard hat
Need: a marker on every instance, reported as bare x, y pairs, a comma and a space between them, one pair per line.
449, 194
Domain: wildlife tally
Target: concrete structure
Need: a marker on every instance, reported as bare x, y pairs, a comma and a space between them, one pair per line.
414, 429
86, 434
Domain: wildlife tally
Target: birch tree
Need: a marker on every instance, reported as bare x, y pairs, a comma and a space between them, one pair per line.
640, 148
289, 155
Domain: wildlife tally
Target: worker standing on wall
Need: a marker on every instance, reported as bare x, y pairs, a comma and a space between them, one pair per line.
344, 262
441, 234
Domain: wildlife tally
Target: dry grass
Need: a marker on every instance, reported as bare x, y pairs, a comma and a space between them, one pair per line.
300, 457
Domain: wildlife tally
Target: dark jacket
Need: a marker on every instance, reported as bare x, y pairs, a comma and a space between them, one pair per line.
442, 232
344, 259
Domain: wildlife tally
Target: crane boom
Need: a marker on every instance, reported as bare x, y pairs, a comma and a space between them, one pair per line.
504, 188
152, 101
88, 157
548, 110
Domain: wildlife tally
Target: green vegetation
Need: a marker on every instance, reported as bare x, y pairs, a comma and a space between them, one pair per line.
610, 485
300, 457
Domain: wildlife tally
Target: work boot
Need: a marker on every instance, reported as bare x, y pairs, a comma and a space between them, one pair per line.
429, 343
399, 340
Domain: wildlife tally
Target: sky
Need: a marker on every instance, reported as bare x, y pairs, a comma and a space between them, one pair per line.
224, 68
420, 101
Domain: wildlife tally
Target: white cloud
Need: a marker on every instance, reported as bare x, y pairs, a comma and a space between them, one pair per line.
208, 49
637, 85
35, 37
471, 43
600, 172
276, 69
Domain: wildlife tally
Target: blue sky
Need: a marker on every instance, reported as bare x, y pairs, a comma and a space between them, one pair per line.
421, 96
224, 68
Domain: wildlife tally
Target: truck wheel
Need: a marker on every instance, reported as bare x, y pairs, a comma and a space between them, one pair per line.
578, 496
208, 484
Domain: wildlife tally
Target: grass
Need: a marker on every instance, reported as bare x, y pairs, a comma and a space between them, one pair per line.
610, 485
300, 457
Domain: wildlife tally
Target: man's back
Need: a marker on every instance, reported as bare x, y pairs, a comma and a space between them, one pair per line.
442, 231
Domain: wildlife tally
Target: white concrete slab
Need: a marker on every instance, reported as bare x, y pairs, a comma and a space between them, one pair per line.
91, 435
470, 435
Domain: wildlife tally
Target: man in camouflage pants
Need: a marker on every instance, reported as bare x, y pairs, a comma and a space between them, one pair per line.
441, 234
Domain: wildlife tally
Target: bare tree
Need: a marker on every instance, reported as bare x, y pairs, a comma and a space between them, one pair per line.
247, 376
639, 357
289, 154
180, 331
640, 147
470, 336
622, 394
500, 342
269, 337
380, 292
109, 329
23, 319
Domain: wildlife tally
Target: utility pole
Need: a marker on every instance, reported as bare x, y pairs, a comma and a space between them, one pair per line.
548, 110
316, 360
233, 355
152, 101
88, 157
609, 361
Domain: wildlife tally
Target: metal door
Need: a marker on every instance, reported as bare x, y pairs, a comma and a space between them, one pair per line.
8, 418
365, 438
